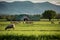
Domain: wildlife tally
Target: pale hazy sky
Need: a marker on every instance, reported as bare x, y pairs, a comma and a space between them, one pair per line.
57, 2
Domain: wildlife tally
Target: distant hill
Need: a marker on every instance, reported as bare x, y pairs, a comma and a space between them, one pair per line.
22, 7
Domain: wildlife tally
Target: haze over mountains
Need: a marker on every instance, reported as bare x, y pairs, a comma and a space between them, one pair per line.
26, 7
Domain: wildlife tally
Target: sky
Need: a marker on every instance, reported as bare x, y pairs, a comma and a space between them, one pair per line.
57, 2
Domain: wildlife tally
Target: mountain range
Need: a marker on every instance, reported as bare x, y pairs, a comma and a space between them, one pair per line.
26, 7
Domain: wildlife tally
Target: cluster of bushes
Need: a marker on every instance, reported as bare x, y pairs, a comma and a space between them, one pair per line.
21, 37
17, 17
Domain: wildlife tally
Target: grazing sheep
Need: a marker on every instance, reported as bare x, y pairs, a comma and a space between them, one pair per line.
52, 22
23, 22
29, 22
10, 26
59, 22
15, 22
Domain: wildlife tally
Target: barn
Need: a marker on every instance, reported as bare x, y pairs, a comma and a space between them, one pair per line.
25, 17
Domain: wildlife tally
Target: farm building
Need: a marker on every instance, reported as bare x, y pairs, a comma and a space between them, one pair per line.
24, 17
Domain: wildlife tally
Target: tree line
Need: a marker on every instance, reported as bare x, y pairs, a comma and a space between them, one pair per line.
47, 14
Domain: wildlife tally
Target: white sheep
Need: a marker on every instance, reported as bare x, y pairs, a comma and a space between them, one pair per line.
29, 22
10, 26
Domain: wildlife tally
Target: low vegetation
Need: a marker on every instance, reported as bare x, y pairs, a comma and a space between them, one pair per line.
38, 30
22, 37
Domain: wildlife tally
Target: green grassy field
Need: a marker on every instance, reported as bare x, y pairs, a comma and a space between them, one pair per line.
37, 29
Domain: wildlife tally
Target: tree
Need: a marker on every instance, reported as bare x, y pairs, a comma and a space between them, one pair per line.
10, 17
58, 16
49, 14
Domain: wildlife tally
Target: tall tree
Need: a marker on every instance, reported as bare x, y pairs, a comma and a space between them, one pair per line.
49, 14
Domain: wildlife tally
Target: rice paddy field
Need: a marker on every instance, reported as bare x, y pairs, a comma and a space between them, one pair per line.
38, 30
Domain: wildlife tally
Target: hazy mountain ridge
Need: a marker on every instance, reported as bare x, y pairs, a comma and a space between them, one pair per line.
26, 7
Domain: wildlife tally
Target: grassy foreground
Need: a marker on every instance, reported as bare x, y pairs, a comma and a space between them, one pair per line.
36, 31
32, 37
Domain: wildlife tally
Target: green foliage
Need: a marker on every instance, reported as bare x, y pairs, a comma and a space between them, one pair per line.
18, 17
35, 17
10, 17
32, 37
58, 16
31, 17
49, 14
